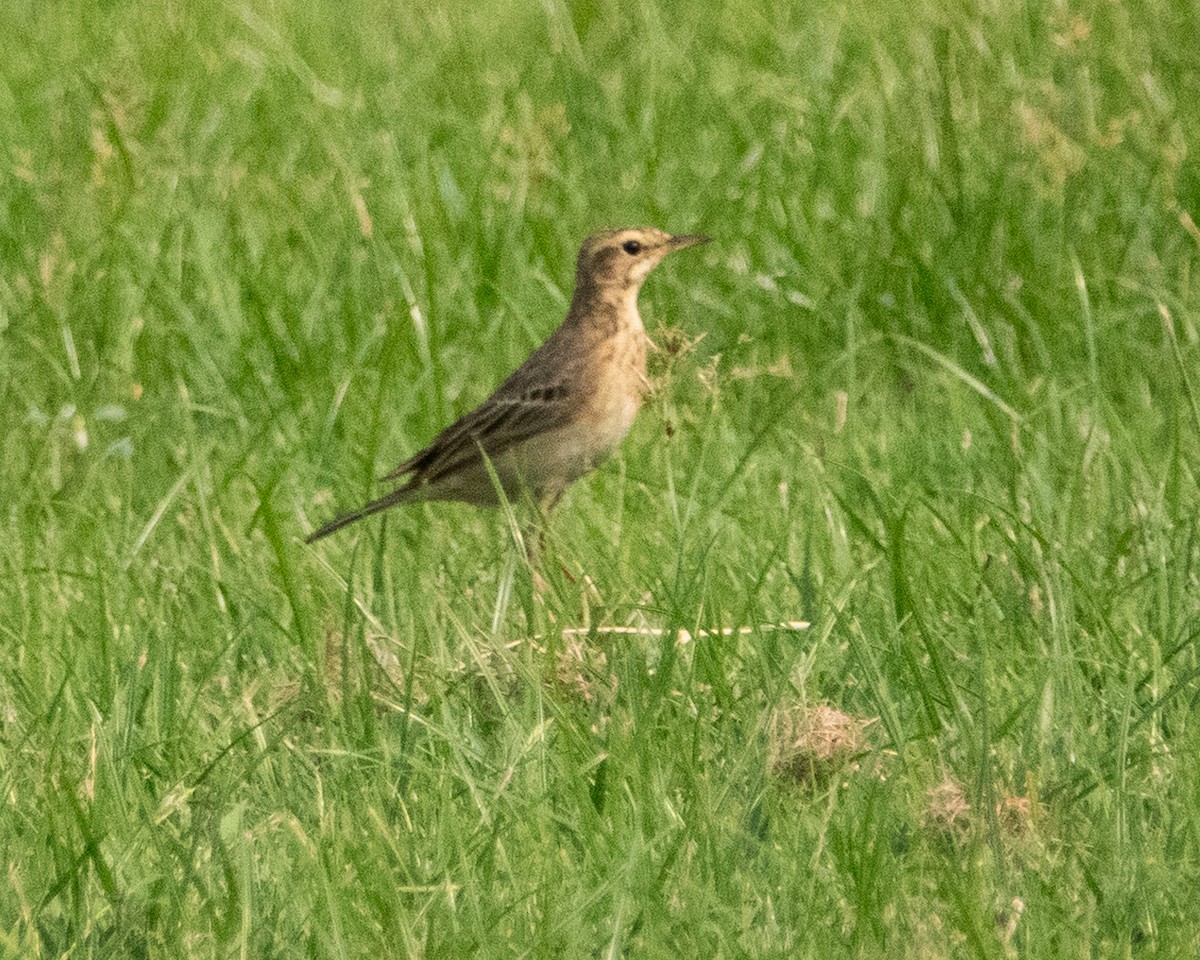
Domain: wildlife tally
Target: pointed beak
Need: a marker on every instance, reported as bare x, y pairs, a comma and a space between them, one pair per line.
688, 240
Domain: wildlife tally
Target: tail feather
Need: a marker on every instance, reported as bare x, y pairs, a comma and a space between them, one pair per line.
389, 500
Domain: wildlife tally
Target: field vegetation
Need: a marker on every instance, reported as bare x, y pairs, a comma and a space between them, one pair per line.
878, 638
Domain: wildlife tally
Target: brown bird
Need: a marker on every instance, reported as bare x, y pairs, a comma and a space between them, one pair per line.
565, 409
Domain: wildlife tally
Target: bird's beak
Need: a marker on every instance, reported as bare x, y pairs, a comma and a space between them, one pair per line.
688, 240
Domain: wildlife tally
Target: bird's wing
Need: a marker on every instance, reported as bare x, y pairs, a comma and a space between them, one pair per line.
514, 413
542, 394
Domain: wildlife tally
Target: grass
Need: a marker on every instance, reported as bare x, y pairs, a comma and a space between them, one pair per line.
933, 389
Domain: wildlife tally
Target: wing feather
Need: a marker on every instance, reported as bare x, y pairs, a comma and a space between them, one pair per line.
495, 426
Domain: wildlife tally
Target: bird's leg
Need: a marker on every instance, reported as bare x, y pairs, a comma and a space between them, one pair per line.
535, 539
548, 503
535, 543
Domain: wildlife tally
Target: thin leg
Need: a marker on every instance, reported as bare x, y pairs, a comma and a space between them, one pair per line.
535, 539
534, 547
549, 503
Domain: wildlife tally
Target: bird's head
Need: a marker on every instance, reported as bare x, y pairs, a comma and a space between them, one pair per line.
621, 259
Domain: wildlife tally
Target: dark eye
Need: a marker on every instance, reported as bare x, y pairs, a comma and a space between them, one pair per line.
631, 247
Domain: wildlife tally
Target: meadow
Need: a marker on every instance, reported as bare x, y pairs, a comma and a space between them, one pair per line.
933, 390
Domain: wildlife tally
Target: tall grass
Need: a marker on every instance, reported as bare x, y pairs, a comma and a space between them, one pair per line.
933, 389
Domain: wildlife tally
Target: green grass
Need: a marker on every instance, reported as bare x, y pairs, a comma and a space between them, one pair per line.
945, 407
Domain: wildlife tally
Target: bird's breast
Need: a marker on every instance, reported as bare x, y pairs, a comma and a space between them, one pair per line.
618, 387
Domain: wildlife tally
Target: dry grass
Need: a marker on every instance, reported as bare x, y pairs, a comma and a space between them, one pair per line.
812, 744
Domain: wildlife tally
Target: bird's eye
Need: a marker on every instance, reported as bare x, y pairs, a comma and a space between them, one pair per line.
631, 247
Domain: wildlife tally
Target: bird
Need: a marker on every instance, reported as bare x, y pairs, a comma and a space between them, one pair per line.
564, 410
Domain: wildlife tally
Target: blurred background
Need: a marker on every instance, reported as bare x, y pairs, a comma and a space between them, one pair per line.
932, 389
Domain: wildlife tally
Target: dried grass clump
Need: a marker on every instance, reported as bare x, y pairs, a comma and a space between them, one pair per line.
810, 744
582, 670
949, 812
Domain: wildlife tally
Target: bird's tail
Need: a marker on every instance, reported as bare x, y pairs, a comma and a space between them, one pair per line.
390, 500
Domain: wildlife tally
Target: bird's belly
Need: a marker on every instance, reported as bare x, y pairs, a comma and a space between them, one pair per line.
570, 452
548, 463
